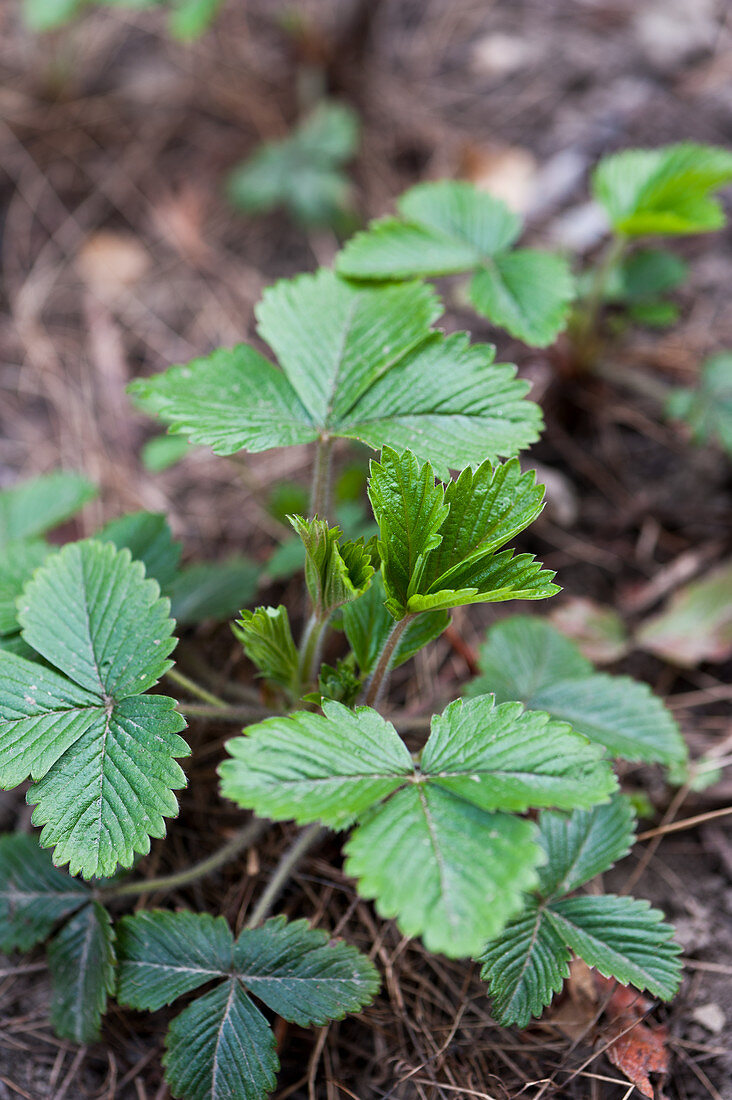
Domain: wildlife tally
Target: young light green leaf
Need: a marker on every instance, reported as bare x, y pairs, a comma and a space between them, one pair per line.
149, 539
448, 871
357, 361
312, 767
663, 191
81, 959
268, 643
525, 966
503, 757
526, 292
438, 543
335, 572
213, 589
32, 507
34, 895
221, 1045
447, 227
18, 562
367, 624
528, 659
707, 409
583, 844
102, 755
623, 937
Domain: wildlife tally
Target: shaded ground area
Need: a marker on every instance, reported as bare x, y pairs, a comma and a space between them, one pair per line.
120, 256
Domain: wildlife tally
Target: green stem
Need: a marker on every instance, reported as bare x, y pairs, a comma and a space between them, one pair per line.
245, 838
284, 869
586, 330
380, 676
195, 689
320, 491
311, 649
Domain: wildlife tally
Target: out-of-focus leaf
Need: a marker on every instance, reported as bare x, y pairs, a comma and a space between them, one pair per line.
707, 409
696, 625
213, 590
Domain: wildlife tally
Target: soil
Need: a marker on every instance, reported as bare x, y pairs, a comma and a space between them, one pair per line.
120, 255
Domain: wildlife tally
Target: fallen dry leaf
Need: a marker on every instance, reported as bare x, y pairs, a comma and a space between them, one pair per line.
575, 1013
508, 172
640, 1047
696, 625
110, 261
598, 630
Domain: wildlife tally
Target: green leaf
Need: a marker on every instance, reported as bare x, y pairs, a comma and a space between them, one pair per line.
410, 510
448, 871
583, 844
18, 561
15, 644
654, 314
213, 590
623, 938
163, 451
663, 191
267, 640
448, 227
221, 1045
82, 963
335, 572
149, 539
190, 18
312, 767
47, 15
707, 409
367, 624
528, 659
330, 133
437, 544
526, 292
646, 274
32, 507
102, 755
357, 361
525, 966
34, 895
503, 757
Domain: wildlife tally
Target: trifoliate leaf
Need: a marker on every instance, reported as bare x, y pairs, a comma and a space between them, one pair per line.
526, 292
528, 659
18, 561
663, 191
213, 589
473, 864
34, 895
303, 171
583, 844
221, 1045
149, 539
447, 227
448, 871
32, 507
367, 624
335, 572
525, 966
268, 643
313, 767
102, 755
82, 963
623, 937
503, 757
357, 361
438, 543
707, 409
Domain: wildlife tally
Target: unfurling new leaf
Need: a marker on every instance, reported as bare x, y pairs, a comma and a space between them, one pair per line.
438, 542
336, 572
436, 844
221, 1044
100, 753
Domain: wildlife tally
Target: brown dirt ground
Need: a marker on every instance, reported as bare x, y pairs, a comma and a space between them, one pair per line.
111, 128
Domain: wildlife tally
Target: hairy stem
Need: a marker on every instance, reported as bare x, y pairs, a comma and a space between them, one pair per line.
380, 676
311, 649
283, 871
320, 491
195, 689
242, 840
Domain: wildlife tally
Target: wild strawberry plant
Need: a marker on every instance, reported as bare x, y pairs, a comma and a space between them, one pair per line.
444, 837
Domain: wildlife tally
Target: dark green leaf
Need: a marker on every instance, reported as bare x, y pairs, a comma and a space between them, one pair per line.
32, 507
149, 539
34, 895
583, 844
82, 962
18, 562
213, 590
267, 640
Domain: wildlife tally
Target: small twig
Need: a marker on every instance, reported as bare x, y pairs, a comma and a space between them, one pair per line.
284, 869
245, 838
685, 823
195, 689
